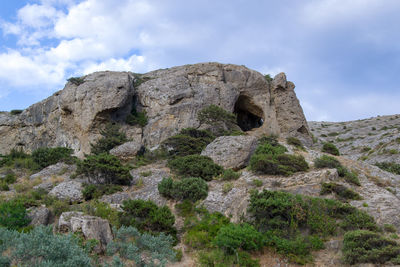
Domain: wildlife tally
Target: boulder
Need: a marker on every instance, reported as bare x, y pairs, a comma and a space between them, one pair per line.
126, 150
71, 190
57, 170
231, 151
90, 226
39, 215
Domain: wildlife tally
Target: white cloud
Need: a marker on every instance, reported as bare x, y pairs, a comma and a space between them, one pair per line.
137, 63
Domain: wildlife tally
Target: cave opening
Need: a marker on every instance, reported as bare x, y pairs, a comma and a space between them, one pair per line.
249, 115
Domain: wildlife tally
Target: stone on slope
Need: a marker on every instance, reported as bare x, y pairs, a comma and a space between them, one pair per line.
59, 169
39, 215
126, 150
231, 151
90, 226
71, 190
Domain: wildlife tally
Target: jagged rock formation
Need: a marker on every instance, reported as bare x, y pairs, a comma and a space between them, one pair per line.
171, 98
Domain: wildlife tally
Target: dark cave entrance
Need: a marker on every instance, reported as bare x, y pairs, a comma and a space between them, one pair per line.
249, 116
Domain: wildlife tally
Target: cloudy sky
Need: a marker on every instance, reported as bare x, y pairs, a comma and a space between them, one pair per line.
343, 55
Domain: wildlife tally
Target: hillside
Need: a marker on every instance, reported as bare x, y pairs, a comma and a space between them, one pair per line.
197, 165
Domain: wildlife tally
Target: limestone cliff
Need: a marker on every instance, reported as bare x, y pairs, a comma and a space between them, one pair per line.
171, 98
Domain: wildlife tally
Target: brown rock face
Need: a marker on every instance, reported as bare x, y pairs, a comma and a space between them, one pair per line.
171, 98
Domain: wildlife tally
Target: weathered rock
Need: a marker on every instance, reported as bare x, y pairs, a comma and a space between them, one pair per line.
57, 170
71, 190
126, 150
172, 98
91, 227
231, 151
46, 186
39, 215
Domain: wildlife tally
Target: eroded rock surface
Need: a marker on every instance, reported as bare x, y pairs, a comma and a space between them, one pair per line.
231, 151
70, 190
39, 215
172, 98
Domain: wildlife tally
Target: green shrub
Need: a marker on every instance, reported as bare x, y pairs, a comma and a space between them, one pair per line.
192, 189
295, 224
227, 187
201, 233
188, 142
331, 149
76, 80
222, 122
233, 237
147, 216
40, 247
269, 158
18, 158
390, 228
4, 186
104, 168
257, 183
16, 111
330, 162
363, 246
47, 156
230, 174
13, 215
10, 178
195, 166
111, 137
94, 191
389, 166
102, 210
340, 190
137, 118
217, 257
145, 250
295, 142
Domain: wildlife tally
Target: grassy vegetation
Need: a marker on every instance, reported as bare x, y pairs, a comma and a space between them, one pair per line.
389, 166
111, 137
76, 80
220, 121
192, 189
340, 190
295, 142
94, 191
331, 149
137, 118
331, 162
230, 174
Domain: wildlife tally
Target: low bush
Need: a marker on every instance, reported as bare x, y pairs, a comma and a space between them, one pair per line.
102, 210
147, 216
195, 166
235, 236
331, 149
13, 215
188, 142
17, 158
330, 162
142, 248
192, 189
389, 166
111, 137
104, 169
219, 121
363, 246
47, 156
269, 158
295, 225
94, 191
76, 80
10, 178
230, 174
137, 118
295, 142
40, 247
340, 190
218, 257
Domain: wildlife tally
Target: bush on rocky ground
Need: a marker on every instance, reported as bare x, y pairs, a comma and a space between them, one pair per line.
13, 215
389, 166
188, 142
270, 158
330, 162
94, 191
192, 189
104, 169
111, 137
219, 121
331, 149
47, 156
340, 190
195, 166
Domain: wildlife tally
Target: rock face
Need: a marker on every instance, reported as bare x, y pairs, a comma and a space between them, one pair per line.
231, 151
39, 216
126, 150
172, 98
91, 227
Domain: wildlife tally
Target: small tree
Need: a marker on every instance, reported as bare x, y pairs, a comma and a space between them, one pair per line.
112, 137
104, 168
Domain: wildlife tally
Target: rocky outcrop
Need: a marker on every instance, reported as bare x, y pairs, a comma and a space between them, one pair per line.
60, 170
71, 190
126, 150
231, 151
172, 98
90, 226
